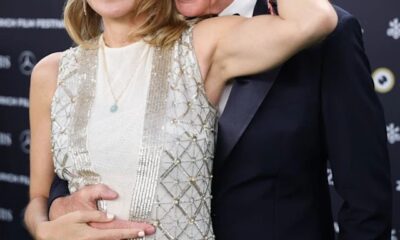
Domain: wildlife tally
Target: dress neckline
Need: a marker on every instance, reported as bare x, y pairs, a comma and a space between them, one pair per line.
129, 47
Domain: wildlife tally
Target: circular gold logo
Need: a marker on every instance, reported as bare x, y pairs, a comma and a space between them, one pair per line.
384, 80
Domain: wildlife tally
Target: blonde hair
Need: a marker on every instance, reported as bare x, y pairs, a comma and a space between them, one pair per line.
162, 25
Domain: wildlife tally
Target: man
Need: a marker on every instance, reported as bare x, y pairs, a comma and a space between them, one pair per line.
276, 132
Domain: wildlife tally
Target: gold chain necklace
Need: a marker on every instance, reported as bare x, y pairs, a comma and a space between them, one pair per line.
114, 107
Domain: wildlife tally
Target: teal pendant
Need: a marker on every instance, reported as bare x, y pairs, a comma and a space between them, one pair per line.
114, 108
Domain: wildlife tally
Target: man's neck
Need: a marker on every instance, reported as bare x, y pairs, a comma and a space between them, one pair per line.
220, 5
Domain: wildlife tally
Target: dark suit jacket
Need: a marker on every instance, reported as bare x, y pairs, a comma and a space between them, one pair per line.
276, 135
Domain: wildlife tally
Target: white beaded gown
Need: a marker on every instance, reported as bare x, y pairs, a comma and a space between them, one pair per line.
156, 151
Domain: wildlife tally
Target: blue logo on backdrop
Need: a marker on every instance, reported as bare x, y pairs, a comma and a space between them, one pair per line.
393, 133
25, 139
384, 80
27, 61
14, 178
14, 101
337, 231
5, 139
31, 23
394, 29
5, 62
6, 215
394, 235
330, 177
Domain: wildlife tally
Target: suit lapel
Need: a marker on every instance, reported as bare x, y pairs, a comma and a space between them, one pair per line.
246, 97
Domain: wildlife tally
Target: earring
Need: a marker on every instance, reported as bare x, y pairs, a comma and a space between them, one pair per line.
84, 7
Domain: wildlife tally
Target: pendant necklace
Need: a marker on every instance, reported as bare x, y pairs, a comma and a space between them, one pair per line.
114, 107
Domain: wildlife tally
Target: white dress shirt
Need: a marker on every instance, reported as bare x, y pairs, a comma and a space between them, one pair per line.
246, 9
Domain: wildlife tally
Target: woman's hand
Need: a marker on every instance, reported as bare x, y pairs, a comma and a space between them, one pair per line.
74, 226
86, 200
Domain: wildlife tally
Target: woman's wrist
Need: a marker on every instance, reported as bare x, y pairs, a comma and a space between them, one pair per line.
35, 215
42, 231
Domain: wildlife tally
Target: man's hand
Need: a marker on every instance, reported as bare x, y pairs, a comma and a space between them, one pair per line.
86, 200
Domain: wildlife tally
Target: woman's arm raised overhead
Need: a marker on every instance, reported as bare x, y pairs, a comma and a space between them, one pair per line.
242, 46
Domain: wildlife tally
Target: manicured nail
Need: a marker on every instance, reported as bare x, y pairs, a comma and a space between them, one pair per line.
140, 234
150, 230
110, 216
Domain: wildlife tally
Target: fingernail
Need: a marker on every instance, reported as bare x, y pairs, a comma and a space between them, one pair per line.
140, 234
110, 216
150, 230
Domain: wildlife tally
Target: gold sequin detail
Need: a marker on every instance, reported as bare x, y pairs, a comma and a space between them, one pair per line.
70, 113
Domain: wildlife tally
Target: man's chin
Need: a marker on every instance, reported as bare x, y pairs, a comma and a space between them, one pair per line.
192, 8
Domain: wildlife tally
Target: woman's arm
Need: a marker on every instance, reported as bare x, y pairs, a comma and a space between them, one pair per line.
244, 46
43, 85
35, 214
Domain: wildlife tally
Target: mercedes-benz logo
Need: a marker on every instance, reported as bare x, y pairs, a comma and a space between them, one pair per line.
27, 61
25, 139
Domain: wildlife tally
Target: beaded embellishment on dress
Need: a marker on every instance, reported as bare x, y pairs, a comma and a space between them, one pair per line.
173, 185
70, 110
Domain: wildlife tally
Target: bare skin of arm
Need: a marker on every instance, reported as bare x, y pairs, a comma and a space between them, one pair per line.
233, 46
43, 84
73, 225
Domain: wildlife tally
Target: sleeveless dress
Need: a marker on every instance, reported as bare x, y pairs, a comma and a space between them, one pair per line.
156, 151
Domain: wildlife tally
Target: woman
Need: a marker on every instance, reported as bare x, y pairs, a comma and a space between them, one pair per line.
132, 107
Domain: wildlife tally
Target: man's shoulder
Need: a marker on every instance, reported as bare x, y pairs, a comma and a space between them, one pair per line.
342, 13
347, 26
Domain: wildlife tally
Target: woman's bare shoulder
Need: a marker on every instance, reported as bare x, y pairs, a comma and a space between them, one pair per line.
48, 65
44, 75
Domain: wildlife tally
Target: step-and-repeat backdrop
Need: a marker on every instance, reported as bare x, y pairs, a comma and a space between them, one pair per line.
29, 30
